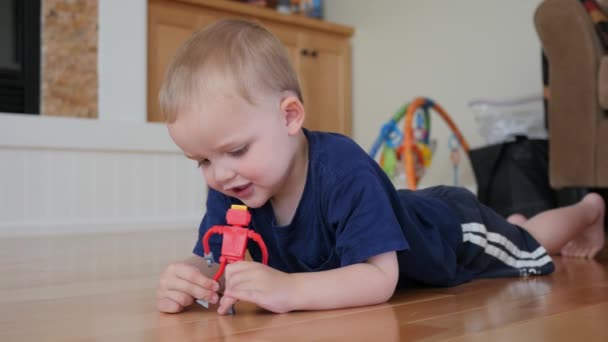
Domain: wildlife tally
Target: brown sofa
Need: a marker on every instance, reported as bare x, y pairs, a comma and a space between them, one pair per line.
578, 95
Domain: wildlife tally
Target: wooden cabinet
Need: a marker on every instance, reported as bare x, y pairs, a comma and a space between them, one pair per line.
326, 82
320, 51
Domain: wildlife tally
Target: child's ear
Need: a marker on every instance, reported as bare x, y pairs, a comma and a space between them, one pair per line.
294, 113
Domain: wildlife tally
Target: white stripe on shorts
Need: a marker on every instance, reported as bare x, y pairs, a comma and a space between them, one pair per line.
477, 234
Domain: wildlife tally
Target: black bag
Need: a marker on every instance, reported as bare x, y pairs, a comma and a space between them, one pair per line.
513, 177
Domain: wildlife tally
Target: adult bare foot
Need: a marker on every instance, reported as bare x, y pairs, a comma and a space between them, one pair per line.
591, 240
517, 219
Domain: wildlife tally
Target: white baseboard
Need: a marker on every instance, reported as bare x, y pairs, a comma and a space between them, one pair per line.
69, 175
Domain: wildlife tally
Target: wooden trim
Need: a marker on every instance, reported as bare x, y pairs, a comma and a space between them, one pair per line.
348, 91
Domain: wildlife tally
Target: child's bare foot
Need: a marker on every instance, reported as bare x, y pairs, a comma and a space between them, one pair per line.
517, 219
590, 241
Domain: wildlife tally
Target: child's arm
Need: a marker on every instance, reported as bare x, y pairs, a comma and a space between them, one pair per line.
183, 282
367, 283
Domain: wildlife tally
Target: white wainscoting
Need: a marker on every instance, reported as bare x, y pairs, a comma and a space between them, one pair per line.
67, 175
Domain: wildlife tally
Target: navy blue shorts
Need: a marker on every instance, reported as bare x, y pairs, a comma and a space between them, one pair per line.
486, 245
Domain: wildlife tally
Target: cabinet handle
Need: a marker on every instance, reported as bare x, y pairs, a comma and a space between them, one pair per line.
304, 52
314, 53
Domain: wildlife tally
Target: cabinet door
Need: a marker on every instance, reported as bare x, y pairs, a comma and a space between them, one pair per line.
168, 28
325, 76
170, 24
321, 60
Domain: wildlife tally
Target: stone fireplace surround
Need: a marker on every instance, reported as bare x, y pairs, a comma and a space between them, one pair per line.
69, 81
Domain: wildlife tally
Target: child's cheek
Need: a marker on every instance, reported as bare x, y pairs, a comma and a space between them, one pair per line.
264, 173
208, 177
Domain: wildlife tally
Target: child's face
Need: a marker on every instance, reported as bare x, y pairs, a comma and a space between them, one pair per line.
243, 150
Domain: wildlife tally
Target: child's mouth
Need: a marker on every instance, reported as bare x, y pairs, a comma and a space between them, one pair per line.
243, 191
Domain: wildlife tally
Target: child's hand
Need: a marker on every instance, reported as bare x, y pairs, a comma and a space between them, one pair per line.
257, 283
180, 284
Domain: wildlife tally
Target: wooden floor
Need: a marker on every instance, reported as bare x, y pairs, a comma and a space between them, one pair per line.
102, 287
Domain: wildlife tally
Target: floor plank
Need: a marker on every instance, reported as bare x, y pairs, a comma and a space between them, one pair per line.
102, 287
584, 324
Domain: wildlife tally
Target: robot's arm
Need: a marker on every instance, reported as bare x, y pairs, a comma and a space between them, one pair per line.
208, 254
258, 239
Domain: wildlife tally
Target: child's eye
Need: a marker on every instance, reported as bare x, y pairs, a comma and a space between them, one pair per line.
240, 151
203, 162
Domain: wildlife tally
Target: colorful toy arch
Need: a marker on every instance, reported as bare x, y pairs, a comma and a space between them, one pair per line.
404, 146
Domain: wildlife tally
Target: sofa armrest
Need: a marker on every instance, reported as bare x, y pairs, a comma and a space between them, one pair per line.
602, 83
573, 51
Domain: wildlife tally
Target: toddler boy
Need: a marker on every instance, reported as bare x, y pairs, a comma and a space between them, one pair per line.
338, 233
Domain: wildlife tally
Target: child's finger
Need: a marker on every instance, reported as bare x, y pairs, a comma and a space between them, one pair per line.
194, 276
244, 295
241, 266
236, 275
226, 304
168, 306
191, 289
180, 298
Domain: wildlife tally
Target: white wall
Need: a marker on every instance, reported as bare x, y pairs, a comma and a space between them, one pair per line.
122, 60
450, 51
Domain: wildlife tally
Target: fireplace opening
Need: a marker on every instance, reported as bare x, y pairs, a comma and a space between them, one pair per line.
20, 56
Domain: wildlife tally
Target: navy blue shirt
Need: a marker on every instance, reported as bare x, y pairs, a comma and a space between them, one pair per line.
349, 212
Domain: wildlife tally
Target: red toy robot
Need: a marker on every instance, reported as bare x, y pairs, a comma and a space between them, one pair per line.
235, 239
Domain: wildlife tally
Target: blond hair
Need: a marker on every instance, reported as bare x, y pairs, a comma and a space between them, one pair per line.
242, 54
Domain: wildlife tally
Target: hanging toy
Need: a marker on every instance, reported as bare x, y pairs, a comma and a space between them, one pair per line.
412, 147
